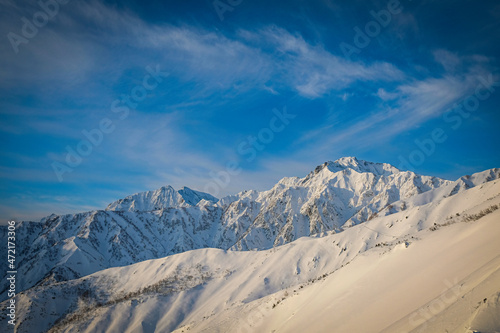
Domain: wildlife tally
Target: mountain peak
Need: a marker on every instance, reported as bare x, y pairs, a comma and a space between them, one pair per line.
164, 197
347, 160
193, 197
361, 166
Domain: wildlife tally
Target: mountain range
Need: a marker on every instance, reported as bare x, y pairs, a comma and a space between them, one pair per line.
349, 205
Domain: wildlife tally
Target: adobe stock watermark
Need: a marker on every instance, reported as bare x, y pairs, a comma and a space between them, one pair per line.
30, 28
249, 148
223, 6
95, 136
426, 314
372, 29
455, 117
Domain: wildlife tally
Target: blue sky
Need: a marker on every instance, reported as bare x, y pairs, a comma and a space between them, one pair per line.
272, 89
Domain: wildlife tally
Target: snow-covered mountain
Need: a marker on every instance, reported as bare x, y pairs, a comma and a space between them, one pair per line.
164, 197
432, 267
155, 224
335, 193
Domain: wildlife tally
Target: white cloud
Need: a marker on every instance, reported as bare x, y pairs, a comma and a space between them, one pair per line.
411, 104
75, 49
312, 70
385, 95
450, 61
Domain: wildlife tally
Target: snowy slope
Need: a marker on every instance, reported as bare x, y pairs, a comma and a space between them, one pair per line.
370, 277
438, 284
334, 196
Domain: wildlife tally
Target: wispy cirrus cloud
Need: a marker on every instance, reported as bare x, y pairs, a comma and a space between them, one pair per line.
408, 105
312, 70
267, 58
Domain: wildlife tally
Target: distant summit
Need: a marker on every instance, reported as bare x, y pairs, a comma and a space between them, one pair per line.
361, 166
164, 197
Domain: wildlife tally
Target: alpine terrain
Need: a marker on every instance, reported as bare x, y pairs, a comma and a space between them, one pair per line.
353, 246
